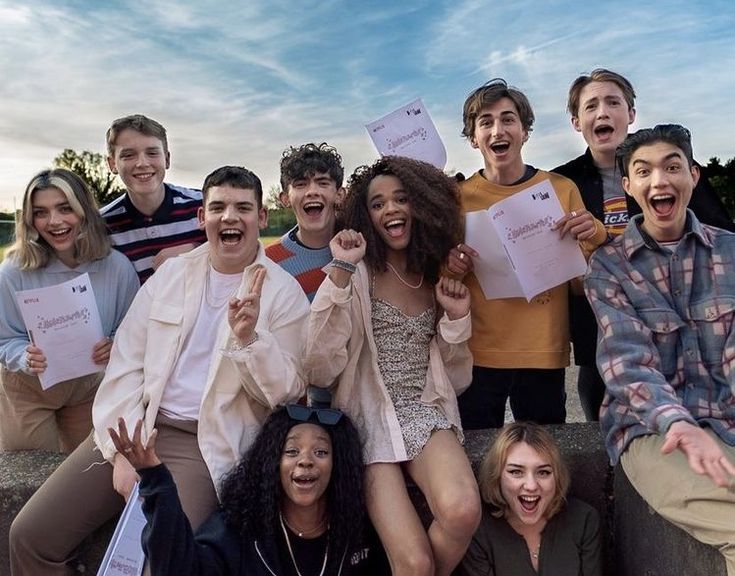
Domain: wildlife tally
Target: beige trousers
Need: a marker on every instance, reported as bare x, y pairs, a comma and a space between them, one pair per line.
78, 498
690, 501
57, 419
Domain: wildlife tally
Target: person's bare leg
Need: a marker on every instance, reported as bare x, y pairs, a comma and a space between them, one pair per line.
396, 521
444, 475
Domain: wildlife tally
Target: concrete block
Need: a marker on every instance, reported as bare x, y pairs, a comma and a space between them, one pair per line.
21, 474
637, 541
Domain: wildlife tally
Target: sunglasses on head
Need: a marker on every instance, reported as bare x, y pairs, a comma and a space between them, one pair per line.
326, 416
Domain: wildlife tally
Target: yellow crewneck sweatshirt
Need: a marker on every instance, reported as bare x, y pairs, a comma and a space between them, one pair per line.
511, 332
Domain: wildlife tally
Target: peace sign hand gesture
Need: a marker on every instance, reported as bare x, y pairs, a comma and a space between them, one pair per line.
242, 313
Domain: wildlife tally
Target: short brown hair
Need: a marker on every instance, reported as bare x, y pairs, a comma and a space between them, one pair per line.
494, 462
598, 75
136, 122
236, 177
488, 94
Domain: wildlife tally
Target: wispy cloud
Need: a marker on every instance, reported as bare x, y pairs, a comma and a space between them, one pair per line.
237, 82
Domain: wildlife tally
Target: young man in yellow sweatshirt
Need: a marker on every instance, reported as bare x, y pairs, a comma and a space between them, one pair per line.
520, 348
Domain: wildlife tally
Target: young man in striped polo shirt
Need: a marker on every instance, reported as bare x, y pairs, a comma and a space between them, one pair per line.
152, 221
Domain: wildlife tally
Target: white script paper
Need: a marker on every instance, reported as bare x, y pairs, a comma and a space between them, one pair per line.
492, 267
125, 556
522, 226
409, 131
64, 322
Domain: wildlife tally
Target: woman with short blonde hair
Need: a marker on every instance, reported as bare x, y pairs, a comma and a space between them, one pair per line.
529, 525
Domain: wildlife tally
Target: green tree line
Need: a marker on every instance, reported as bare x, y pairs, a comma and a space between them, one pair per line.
722, 178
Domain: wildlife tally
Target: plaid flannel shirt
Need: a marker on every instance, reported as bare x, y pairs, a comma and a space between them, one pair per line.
666, 348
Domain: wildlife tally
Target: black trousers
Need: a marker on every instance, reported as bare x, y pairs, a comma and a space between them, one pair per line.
536, 395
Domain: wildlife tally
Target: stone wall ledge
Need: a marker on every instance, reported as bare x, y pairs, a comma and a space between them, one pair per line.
638, 542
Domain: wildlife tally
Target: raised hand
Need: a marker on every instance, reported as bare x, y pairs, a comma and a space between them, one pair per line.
242, 313
348, 246
453, 297
133, 450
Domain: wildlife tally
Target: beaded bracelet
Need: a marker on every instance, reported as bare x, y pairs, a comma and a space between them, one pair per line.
342, 264
235, 345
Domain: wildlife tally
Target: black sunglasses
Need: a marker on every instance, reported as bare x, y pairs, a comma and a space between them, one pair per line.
326, 416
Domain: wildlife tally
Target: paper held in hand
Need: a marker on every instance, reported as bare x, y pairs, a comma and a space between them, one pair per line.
124, 555
409, 131
64, 322
519, 253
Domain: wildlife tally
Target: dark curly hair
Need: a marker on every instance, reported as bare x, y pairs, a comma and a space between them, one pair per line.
307, 160
436, 225
251, 492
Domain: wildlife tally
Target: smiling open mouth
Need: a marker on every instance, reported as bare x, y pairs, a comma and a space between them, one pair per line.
529, 503
59, 233
313, 208
230, 236
500, 147
395, 227
662, 203
305, 481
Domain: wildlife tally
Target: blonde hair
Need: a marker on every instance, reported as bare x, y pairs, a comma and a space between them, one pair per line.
30, 251
494, 462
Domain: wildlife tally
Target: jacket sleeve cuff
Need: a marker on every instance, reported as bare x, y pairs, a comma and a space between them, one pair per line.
455, 331
598, 239
330, 294
155, 479
664, 416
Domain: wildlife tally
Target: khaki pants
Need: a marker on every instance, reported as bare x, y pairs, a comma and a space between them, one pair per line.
57, 419
78, 498
690, 501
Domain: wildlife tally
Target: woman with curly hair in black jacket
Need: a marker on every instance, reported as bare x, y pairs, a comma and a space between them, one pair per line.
292, 506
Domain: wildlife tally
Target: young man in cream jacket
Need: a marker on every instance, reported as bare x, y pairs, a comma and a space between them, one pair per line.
210, 346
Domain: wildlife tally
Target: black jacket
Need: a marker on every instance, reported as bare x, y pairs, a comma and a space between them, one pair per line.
705, 203
172, 549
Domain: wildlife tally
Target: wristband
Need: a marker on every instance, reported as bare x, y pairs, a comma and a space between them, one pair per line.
343, 265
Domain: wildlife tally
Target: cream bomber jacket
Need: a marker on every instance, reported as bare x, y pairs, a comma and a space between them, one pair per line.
240, 391
341, 352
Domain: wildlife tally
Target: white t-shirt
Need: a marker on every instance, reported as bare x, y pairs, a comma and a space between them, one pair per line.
182, 396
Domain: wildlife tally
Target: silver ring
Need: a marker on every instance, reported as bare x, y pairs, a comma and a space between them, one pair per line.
128, 450
573, 214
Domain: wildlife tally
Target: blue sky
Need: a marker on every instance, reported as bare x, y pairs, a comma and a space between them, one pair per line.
238, 82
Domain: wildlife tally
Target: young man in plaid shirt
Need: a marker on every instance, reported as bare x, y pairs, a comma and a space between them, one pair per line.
664, 296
